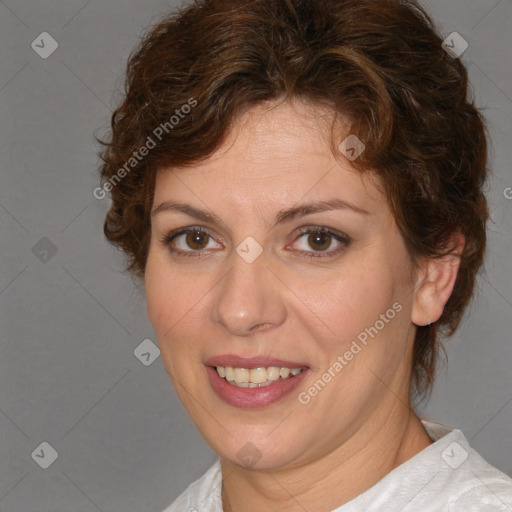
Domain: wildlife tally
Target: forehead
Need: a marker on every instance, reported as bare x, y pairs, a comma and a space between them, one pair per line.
275, 153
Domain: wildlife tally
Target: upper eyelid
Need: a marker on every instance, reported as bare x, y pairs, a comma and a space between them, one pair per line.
190, 229
210, 232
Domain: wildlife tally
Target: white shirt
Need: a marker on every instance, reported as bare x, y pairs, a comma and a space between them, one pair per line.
447, 476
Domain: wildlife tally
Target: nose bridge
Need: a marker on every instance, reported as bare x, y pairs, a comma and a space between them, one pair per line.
248, 296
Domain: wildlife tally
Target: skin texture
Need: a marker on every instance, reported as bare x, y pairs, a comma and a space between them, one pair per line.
294, 307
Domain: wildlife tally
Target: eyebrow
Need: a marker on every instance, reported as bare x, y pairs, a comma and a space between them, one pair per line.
285, 215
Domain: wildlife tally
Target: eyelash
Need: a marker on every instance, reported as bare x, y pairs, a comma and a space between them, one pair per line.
342, 238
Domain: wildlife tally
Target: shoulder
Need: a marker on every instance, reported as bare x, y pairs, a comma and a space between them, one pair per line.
468, 482
202, 495
481, 487
447, 476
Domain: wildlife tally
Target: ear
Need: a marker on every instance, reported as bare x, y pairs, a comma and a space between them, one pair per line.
434, 284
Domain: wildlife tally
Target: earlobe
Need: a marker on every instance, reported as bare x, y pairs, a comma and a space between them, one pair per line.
434, 285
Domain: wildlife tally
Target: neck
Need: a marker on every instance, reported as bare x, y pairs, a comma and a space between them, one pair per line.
359, 464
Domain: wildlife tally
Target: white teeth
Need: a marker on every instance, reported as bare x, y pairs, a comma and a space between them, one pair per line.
255, 377
241, 375
272, 373
258, 375
284, 372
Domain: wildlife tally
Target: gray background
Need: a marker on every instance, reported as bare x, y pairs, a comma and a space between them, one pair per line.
69, 325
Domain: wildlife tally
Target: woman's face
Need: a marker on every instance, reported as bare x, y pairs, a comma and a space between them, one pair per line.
328, 289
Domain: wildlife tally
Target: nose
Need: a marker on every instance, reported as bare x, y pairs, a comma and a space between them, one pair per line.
249, 299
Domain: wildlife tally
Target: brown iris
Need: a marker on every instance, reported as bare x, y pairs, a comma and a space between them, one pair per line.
197, 239
315, 241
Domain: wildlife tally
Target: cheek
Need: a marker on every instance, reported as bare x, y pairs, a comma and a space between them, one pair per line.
346, 302
164, 309
162, 294
359, 324
175, 301
154, 292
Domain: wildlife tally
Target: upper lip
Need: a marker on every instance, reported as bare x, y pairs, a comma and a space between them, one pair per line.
251, 362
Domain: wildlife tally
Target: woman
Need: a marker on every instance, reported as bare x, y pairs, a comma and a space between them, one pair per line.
299, 186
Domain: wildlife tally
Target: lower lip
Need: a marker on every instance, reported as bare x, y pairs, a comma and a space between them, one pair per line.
253, 397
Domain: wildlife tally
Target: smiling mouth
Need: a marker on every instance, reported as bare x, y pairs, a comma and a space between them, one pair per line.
256, 377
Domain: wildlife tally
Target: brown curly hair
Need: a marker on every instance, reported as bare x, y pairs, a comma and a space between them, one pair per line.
378, 63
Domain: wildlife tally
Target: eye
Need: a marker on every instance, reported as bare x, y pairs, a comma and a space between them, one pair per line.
193, 240
321, 240
189, 241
